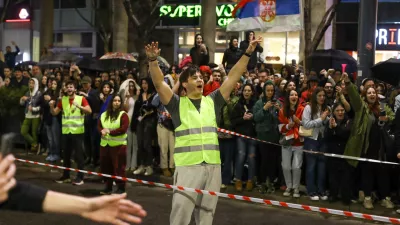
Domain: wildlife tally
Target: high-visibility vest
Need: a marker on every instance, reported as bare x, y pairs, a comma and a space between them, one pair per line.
72, 118
112, 141
196, 139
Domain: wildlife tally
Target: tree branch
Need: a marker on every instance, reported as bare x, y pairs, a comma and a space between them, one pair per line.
81, 15
323, 26
129, 12
3, 12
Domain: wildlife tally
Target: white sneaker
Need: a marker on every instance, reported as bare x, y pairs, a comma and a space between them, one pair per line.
287, 192
296, 193
324, 197
149, 171
140, 170
314, 198
387, 203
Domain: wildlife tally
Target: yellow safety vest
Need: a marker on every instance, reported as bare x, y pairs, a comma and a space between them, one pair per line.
196, 139
112, 141
72, 118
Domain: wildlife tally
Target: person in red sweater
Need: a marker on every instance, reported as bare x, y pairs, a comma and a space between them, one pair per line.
113, 125
312, 83
289, 119
210, 84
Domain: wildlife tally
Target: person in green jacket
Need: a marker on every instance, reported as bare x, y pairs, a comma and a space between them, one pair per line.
365, 141
265, 113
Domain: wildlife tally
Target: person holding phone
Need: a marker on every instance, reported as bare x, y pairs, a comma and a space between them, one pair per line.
266, 119
21, 196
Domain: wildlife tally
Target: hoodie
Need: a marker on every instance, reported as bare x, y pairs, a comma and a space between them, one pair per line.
34, 99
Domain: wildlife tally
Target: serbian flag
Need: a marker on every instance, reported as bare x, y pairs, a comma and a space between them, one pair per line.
267, 16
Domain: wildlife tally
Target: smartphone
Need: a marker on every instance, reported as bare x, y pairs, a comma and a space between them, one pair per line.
7, 143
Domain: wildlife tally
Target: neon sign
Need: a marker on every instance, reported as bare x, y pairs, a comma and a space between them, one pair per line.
387, 36
224, 12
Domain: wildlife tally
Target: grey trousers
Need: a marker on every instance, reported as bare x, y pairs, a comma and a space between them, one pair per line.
131, 150
205, 177
292, 166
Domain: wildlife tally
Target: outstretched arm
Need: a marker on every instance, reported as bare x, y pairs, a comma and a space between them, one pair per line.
163, 90
238, 70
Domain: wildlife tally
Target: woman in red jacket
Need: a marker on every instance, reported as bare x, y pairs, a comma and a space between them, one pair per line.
289, 119
113, 125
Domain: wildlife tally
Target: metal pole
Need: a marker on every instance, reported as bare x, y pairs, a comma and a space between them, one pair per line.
366, 38
286, 43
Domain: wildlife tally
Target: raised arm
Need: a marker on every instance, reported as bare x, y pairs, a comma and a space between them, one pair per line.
238, 70
163, 90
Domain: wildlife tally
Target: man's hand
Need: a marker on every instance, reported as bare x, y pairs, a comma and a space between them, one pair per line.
47, 97
13, 43
114, 209
7, 180
51, 103
152, 51
345, 77
253, 45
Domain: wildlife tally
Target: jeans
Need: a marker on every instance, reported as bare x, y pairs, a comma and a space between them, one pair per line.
33, 126
246, 148
54, 137
292, 166
315, 165
227, 148
73, 142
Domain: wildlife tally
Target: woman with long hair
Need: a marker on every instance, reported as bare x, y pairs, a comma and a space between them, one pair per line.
113, 125
315, 117
292, 156
144, 122
266, 118
340, 172
199, 53
243, 123
52, 123
370, 121
131, 95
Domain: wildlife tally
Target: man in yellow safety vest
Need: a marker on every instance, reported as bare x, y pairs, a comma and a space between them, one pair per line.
73, 108
194, 116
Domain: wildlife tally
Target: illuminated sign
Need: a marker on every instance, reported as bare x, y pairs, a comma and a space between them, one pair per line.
23, 14
189, 15
387, 37
20, 11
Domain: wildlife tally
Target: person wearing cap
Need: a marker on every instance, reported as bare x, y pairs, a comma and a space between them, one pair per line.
92, 136
17, 81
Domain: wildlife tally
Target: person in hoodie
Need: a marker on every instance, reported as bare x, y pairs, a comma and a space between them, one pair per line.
250, 36
210, 83
199, 53
231, 54
32, 101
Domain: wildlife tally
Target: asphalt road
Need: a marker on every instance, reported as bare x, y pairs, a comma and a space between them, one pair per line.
157, 202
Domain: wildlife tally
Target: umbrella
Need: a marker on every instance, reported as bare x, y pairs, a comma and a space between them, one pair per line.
64, 57
51, 64
27, 64
118, 60
387, 71
161, 60
331, 58
90, 64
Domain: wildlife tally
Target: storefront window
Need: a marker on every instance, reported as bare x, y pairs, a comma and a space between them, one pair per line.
278, 50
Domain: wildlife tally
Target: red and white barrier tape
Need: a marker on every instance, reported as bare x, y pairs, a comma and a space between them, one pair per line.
312, 152
307, 151
232, 196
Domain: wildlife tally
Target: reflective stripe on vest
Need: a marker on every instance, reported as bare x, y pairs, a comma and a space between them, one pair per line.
72, 119
112, 141
196, 139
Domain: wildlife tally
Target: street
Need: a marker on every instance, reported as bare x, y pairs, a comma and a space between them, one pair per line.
157, 202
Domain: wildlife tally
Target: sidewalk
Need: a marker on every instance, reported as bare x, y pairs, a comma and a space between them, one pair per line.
277, 196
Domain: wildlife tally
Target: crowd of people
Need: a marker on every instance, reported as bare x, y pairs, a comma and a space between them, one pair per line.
118, 122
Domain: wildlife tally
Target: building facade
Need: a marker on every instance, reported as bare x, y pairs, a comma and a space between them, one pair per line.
71, 32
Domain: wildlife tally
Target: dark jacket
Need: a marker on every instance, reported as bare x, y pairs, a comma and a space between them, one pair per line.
231, 57
240, 125
199, 58
336, 138
9, 57
47, 116
25, 197
253, 59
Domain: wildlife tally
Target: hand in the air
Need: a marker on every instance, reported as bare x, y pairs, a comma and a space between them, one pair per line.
152, 50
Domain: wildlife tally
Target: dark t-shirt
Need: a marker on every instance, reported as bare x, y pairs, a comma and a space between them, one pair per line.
173, 106
25, 197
